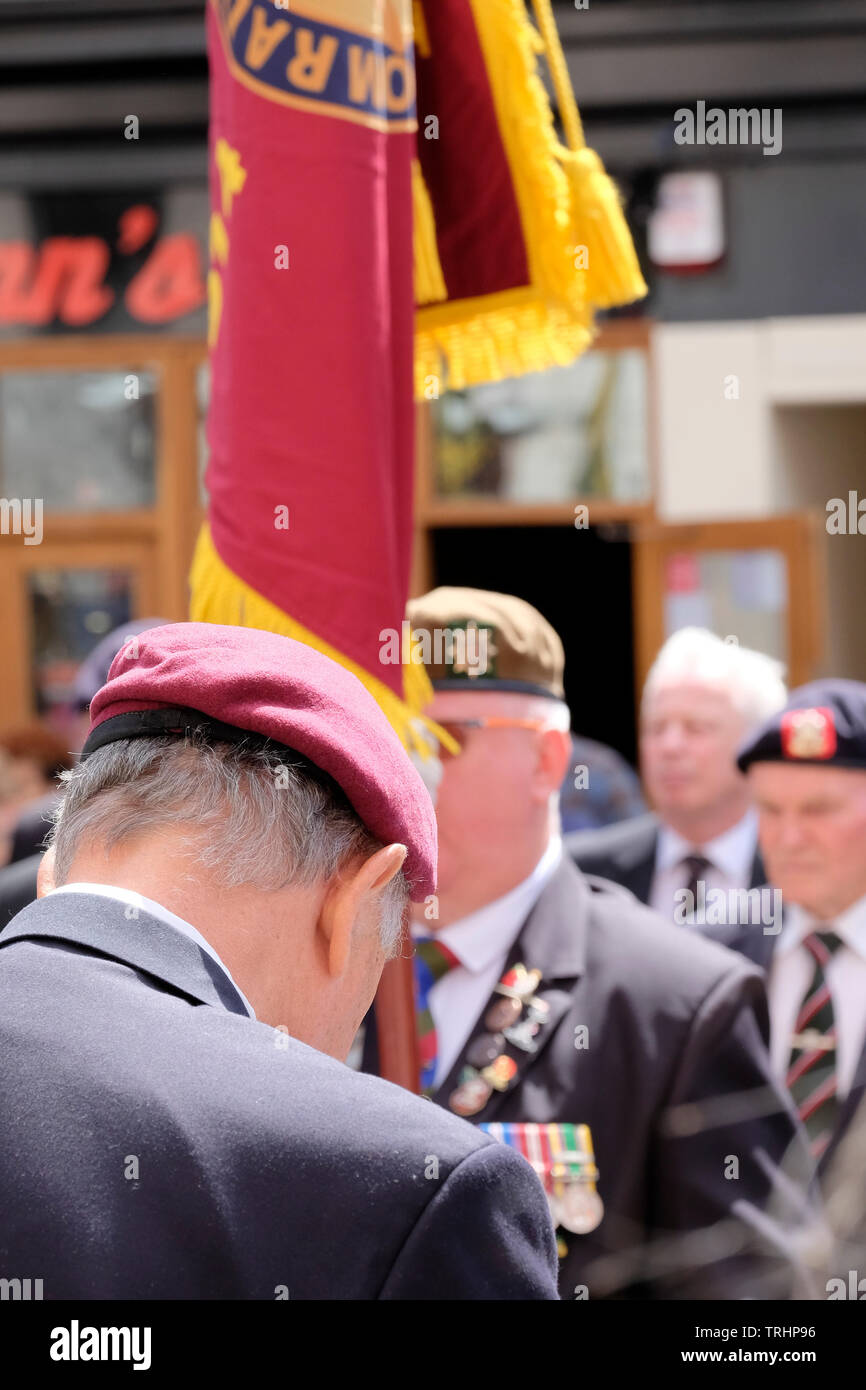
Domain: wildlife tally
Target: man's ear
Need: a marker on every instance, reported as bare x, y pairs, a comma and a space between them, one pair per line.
45, 876
347, 897
554, 754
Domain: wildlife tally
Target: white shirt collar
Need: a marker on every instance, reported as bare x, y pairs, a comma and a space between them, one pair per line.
142, 904
481, 937
731, 852
850, 926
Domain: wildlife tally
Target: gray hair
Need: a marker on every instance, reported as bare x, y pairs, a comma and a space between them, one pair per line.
263, 819
752, 681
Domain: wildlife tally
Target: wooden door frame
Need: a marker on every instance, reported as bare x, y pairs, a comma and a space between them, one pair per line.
158, 539
136, 556
797, 535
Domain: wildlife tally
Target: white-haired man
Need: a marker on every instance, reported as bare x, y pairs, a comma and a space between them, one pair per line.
547, 1002
695, 858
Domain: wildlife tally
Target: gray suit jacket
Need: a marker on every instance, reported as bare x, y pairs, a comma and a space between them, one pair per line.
673, 1077
157, 1142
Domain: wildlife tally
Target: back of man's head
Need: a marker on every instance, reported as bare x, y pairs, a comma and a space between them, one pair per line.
247, 816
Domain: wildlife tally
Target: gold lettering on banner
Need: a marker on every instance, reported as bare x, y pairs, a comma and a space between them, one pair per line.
235, 15
400, 100
263, 38
311, 67
366, 76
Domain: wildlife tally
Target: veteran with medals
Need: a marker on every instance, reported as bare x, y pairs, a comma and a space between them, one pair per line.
622, 1057
806, 769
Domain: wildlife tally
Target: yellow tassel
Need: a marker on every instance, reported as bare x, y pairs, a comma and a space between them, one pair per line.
219, 596
429, 280
613, 274
612, 271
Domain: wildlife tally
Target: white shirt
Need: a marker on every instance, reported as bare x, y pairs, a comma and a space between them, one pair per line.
730, 854
791, 973
481, 942
142, 904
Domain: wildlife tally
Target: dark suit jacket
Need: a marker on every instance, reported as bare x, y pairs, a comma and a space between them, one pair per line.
675, 1025
625, 853
18, 886
31, 828
157, 1142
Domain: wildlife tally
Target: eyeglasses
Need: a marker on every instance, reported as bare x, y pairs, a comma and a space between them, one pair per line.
458, 729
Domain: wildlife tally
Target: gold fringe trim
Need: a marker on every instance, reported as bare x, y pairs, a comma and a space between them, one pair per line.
566, 203
522, 334
219, 596
429, 280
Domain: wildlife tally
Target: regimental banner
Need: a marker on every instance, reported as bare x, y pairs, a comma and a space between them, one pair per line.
311, 424
333, 215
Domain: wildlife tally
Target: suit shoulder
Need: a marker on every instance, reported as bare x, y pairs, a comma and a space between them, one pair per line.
632, 838
635, 943
357, 1112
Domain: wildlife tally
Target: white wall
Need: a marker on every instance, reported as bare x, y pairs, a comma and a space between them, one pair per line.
793, 437
717, 454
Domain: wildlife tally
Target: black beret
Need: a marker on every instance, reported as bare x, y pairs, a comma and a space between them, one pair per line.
822, 723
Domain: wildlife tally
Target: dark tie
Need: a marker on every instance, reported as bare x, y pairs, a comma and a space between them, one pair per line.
696, 866
811, 1074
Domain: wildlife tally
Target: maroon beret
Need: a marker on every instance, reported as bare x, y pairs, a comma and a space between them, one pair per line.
244, 679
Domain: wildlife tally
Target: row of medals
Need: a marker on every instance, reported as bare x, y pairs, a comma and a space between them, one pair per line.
516, 1017
490, 1068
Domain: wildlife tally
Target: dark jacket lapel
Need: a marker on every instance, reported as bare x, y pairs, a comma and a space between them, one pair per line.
94, 923
639, 865
552, 940
759, 873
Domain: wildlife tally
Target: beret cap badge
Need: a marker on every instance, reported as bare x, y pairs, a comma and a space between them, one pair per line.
470, 650
808, 733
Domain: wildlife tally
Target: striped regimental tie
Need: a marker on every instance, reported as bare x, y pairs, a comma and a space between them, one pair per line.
812, 1069
431, 961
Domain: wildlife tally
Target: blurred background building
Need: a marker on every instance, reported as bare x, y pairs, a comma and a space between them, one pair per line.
678, 473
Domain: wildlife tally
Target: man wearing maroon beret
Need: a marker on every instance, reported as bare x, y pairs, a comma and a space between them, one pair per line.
234, 856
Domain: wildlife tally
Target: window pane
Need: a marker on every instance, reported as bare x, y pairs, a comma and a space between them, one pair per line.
576, 431
71, 610
738, 594
82, 441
